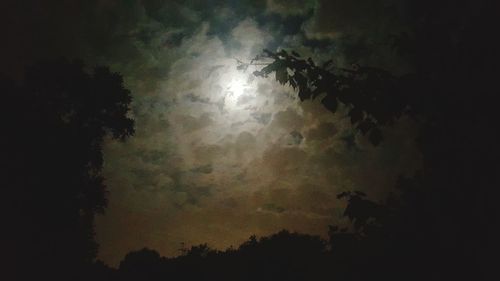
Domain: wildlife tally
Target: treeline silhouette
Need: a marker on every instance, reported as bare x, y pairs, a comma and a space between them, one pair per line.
282, 256
438, 225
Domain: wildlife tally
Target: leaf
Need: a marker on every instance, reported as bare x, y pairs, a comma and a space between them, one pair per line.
300, 79
360, 193
311, 62
282, 75
330, 102
343, 194
269, 68
295, 54
375, 136
283, 53
270, 54
304, 93
258, 73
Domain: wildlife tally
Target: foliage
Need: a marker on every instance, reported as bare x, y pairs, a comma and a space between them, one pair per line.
374, 96
53, 184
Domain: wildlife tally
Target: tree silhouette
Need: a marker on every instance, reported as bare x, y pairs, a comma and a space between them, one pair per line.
59, 115
439, 225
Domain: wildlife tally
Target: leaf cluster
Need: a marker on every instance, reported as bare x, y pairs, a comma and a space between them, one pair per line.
374, 96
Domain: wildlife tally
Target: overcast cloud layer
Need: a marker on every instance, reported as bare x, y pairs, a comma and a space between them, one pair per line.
219, 154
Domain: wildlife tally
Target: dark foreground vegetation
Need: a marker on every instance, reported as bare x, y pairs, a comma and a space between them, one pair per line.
438, 225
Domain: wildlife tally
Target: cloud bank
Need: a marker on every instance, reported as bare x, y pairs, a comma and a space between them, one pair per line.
219, 154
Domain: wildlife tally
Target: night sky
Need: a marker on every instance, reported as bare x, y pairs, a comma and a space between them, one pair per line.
219, 154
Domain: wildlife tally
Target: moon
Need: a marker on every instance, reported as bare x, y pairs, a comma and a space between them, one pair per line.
239, 88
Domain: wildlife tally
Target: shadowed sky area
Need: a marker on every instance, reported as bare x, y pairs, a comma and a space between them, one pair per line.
219, 154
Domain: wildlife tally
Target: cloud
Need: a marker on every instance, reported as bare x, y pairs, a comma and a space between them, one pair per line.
219, 154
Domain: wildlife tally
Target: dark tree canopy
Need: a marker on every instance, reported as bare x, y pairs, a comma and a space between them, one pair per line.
56, 121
